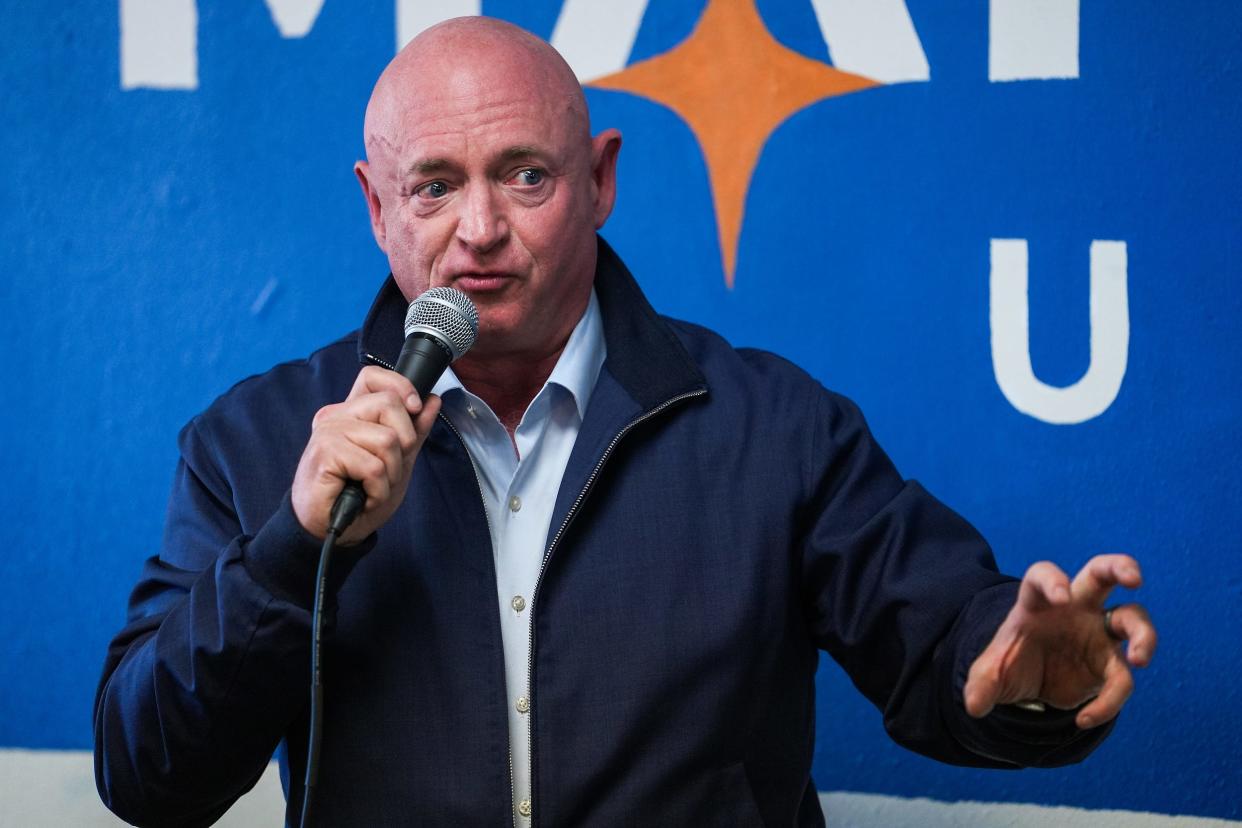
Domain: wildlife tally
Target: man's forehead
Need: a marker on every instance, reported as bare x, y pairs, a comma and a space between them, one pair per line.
437, 101
501, 129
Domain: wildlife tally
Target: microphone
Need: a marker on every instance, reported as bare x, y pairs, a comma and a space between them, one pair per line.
440, 326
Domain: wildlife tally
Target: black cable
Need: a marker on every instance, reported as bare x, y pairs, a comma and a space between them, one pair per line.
316, 707
347, 506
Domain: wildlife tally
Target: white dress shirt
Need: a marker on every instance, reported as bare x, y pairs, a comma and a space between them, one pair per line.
519, 485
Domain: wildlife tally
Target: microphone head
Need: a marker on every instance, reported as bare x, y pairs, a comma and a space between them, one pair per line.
446, 314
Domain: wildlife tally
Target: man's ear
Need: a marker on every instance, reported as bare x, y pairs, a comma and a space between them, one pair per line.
363, 171
604, 150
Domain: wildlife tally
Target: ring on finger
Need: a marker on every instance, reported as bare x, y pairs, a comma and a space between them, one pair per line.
1108, 625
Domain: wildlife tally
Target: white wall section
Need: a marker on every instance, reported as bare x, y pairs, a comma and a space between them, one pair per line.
858, 810
596, 38
874, 38
294, 18
1110, 335
415, 15
159, 44
54, 788
1032, 39
159, 39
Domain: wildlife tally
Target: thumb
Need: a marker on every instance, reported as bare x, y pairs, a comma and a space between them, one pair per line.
982, 685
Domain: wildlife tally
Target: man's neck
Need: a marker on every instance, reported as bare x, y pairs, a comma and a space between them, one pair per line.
506, 383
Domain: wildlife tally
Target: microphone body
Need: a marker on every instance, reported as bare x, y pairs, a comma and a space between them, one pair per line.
440, 326
422, 361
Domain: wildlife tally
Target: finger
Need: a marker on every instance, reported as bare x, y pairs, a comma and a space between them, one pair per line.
1118, 685
381, 441
374, 379
1043, 584
338, 458
1132, 623
1103, 572
383, 407
984, 681
426, 418
982, 686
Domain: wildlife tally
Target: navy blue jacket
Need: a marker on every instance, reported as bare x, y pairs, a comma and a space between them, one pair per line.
722, 518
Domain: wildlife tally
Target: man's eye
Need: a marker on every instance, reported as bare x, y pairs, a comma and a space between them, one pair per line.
529, 177
432, 189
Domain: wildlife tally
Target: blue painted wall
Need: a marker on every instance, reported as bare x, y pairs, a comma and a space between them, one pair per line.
157, 246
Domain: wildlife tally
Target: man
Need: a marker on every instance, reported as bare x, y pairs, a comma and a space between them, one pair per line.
590, 589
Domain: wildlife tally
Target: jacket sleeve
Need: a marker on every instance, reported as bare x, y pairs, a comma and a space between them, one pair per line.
904, 594
213, 665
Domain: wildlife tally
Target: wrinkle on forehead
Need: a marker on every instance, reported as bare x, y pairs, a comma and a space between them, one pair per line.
473, 63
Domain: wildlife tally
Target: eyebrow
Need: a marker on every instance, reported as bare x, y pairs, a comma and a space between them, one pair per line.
521, 151
429, 165
518, 152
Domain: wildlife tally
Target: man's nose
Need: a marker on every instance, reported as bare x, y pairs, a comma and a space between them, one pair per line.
482, 224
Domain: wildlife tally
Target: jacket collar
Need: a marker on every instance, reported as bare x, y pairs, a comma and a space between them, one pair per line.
644, 356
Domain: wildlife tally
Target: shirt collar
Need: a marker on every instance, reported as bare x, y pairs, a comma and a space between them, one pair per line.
578, 366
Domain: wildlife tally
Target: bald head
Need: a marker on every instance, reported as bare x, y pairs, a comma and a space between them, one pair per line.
482, 174
456, 59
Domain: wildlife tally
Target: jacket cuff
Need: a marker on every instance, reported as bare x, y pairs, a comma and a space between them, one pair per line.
283, 558
1009, 733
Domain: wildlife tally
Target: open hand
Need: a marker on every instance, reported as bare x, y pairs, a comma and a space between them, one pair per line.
1054, 647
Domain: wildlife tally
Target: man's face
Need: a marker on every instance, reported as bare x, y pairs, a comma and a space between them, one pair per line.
484, 181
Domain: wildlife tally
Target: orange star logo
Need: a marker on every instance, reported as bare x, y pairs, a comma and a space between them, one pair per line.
733, 83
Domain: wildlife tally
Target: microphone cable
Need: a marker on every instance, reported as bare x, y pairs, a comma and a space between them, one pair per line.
346, 508
440, 326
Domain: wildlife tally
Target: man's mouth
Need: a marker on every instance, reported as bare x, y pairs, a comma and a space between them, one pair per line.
481, 282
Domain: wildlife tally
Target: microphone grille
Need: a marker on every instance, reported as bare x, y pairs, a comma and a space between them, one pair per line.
447, 314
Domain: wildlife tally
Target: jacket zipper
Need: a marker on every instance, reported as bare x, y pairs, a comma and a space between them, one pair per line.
483, 500
573, 510
534, 602
382, 362
486, 517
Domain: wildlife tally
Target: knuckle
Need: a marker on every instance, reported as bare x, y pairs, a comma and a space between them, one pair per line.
1042, 571
317, 449
391, 441
1150, 639
362, 382
375, 468
323, 414
402, 383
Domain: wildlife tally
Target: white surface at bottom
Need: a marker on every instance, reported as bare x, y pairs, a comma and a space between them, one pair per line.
52, 789
857, 810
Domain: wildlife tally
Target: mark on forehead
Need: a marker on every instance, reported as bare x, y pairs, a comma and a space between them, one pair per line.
375, 138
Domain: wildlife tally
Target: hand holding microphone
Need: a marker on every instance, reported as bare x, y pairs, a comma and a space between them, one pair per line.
363, 449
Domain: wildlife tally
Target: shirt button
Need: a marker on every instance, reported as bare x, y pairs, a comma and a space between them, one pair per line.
515, 503
474, 415
524, 808
518, 603
523, 705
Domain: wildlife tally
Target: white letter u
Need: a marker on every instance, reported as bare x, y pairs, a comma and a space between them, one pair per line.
1110, 336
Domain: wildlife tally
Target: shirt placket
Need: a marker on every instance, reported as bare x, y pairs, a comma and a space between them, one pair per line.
517, 560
